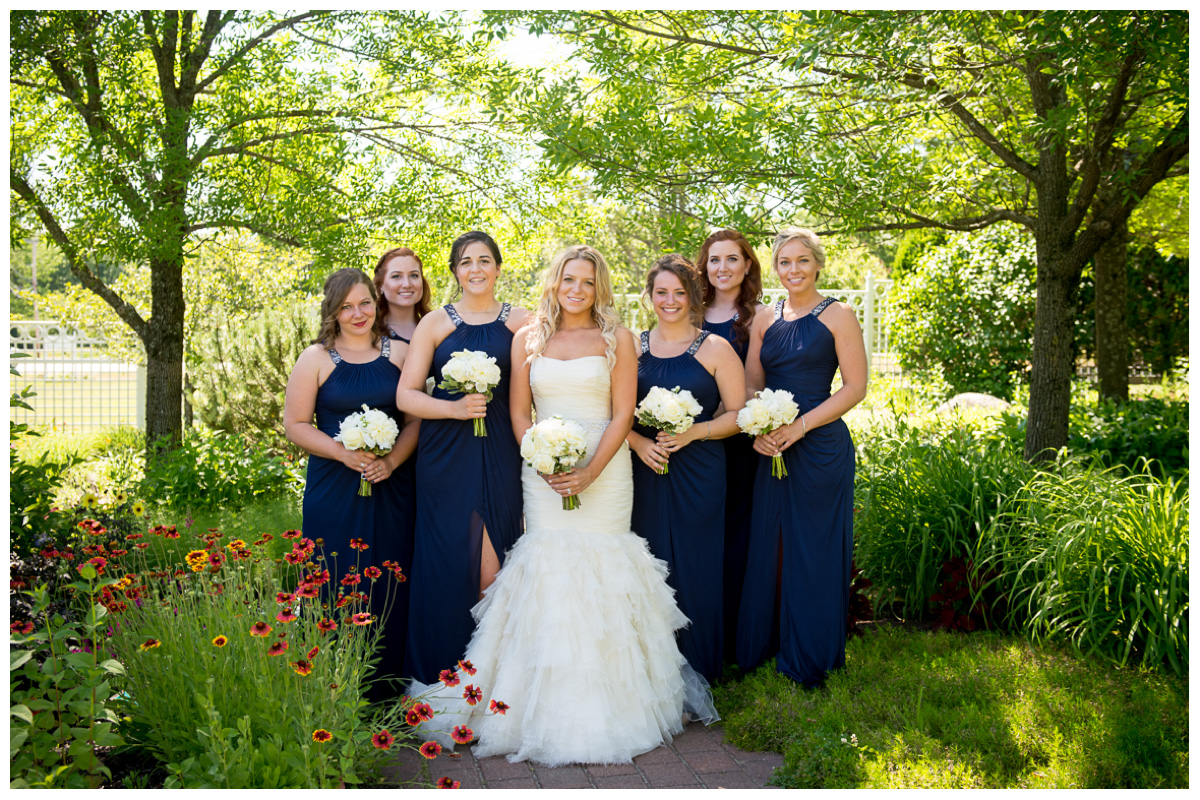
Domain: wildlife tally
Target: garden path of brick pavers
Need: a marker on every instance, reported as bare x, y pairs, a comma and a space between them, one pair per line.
698, 758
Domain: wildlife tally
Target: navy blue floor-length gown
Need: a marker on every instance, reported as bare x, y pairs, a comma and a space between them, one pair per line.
384, 521
681, 514
741, 463
465, 483
810, 512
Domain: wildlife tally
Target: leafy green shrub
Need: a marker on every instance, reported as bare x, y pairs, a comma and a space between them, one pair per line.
240, 382
968, 305
211, 469
925, 496
1099, 558
59, 690
913, 245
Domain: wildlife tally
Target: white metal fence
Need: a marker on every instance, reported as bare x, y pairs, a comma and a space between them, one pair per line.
79, 386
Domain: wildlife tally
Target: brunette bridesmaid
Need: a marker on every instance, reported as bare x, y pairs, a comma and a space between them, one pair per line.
681, 513
468, 486
732, 280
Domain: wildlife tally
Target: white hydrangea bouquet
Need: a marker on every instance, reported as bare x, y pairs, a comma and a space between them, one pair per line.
670, 410
469, 372
769, 410
370, 430
553, 446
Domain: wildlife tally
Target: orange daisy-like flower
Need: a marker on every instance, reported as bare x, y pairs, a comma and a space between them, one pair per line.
321, 735
358, 544
277, 649
313, 653
399, 575
326, 625
305, 546
21, 627
290, 534
220, 641
412, 717
283, 598
215, 559
424, 711
308, 591
286, 616
317, 578
372, 572
445, 783
383, 740
431, 749
260, 628
302, 667
361, 618
462, 734
351, 580
171, 533
472, 694
467, 667
499, 706
449, 677
296, 557
149, 644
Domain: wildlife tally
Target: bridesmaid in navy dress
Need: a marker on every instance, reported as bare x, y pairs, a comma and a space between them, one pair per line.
681, 514
349, 365
801, 538
732, 281
468, 487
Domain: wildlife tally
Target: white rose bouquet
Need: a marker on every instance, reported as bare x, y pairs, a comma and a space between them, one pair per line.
553, 446
468, 372
370, 430
673, 411
768, 410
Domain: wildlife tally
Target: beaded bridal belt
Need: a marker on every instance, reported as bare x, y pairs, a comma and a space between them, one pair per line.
593, 425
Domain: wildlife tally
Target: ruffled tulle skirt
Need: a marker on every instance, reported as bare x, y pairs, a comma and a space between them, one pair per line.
577, 638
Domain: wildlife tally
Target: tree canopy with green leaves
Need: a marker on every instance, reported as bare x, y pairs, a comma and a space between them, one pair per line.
1059, 121
135, 136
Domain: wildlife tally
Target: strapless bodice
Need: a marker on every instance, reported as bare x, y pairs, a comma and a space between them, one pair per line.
578, 388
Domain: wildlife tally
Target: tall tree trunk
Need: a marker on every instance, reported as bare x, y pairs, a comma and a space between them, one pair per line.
164, 353
1053, 361
1112, 333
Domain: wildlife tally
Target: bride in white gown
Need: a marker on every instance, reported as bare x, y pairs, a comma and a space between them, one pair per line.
577, 634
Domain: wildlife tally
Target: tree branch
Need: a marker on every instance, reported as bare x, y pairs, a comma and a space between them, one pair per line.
238, 54
71, 253
620, 23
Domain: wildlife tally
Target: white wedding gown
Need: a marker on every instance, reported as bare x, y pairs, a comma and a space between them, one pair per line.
577, 634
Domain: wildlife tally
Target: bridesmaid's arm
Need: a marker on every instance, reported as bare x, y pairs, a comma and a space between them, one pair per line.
410, 394
520, 395
852, 360
722, 362
300, 405
756, 378
624, 400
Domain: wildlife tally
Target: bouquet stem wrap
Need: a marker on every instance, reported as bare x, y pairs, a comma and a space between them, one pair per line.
370, 430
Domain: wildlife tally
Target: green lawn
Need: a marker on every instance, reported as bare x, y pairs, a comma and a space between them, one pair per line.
918, 709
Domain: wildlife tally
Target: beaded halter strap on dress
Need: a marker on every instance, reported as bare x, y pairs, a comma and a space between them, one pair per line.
457, 320
385, 351
692, 348
816, 312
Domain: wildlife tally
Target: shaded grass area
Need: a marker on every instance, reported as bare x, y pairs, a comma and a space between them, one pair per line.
916, 709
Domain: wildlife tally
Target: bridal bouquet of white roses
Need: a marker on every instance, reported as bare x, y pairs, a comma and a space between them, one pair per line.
468, 372
370, 430
553, 446
670, 410
768, 410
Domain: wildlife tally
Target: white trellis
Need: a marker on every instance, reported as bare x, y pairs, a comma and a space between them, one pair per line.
870, 304
79, 386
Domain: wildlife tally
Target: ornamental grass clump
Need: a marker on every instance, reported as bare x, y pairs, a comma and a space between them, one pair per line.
251, 655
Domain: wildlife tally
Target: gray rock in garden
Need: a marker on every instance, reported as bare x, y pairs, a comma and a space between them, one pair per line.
972, 400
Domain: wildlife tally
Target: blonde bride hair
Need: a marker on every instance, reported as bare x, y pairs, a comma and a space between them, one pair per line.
549, 312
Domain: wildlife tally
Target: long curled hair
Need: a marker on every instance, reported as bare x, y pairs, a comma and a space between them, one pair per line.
337, 286
749, 293
422, 307
548, 316
688, 275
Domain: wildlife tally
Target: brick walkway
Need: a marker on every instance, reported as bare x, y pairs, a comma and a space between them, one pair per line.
697, 759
